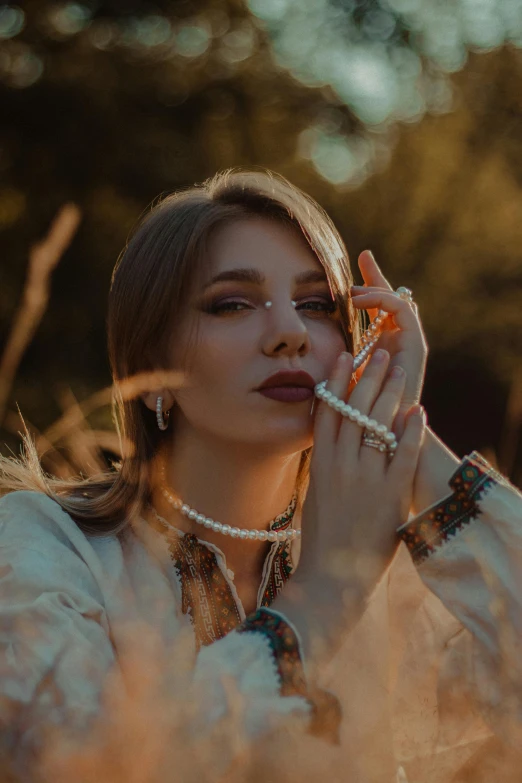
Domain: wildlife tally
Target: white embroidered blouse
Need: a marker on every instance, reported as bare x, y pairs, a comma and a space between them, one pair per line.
430, 674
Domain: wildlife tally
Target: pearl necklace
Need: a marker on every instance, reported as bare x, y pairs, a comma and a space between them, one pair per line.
369, 338
385, 439
372, 333
246, 534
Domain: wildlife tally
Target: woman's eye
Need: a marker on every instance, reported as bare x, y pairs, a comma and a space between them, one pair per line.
318, 306
232, 306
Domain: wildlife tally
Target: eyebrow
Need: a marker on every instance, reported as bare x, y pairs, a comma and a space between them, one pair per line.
249, 275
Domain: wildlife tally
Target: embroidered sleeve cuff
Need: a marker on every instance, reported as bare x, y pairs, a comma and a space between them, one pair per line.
285, 648
430, 529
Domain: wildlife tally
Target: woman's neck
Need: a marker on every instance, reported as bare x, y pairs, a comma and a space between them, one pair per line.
238, 485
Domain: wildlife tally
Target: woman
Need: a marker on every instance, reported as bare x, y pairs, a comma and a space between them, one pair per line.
230, 304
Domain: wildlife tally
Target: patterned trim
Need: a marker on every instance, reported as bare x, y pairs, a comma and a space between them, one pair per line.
471, 481
326, 711
280, 572
208, 600
284, 647
284, 520
205, 593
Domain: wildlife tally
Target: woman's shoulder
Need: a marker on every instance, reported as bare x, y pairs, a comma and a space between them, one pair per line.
42, 549
36, 533
32, 520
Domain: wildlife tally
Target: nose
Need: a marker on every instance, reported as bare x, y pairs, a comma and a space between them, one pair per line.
285, 333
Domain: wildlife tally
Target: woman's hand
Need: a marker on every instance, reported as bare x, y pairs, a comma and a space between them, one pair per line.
357, 498
403, 336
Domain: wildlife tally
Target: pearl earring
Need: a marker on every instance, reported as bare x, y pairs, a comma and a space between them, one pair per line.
162, 423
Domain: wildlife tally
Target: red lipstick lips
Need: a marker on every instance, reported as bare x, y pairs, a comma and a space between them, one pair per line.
288, 386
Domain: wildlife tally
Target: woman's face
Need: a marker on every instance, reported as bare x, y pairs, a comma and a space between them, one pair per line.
240, 343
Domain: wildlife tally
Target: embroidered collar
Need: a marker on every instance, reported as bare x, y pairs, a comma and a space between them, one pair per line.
208, 593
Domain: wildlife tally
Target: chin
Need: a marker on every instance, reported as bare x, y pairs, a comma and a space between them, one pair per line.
291, 441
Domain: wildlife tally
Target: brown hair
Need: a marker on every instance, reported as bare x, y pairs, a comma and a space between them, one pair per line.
162, 260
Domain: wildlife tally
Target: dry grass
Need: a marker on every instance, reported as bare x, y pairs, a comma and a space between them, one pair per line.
152, 729
43, 258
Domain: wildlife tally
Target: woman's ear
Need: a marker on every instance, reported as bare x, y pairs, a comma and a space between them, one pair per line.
150, 399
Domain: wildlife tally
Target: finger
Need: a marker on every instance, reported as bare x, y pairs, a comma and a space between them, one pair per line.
403, 465
401, 310
371, 275
368, 289
361, 400
404, 411
327, 422
358, 290
371, 271
383, 413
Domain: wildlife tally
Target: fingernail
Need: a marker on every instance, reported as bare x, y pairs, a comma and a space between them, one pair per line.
380, 355
418, 410
397, 372
371, 254
342, 359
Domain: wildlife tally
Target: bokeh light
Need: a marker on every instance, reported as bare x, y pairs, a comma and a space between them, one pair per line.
69, 19
12, 21
389, 61
20, 66
192, 40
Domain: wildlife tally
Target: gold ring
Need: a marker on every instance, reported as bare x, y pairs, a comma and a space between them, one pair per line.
376, 443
